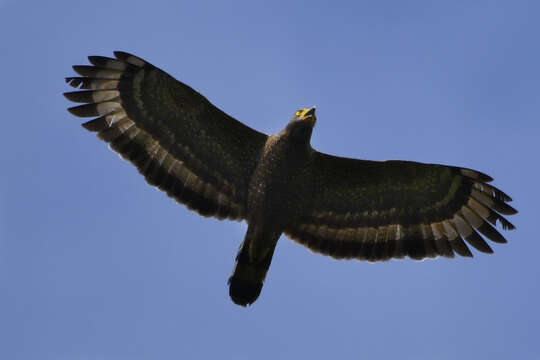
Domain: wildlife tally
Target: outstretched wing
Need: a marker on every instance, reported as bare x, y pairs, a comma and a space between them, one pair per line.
374, 210
176, 138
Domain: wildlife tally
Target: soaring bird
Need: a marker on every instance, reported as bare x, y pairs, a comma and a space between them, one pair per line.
217, 166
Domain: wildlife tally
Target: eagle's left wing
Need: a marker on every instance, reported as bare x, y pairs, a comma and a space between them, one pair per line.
375, 211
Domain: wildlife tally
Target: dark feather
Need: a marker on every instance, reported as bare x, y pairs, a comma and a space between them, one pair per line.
479, 244
459, 246
97, 72
96, 125
92, 83
108, 63
493, 191
492, 234
443, 247
493, 217
87, 110
92, 96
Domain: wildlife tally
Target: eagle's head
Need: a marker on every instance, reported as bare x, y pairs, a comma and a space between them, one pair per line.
301, 125
306, 115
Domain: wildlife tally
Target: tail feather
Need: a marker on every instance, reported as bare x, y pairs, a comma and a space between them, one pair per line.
246, 282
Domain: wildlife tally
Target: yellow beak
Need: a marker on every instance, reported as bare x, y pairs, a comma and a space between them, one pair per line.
308, 115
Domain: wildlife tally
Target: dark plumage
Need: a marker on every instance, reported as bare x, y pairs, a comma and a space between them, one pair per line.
217, 166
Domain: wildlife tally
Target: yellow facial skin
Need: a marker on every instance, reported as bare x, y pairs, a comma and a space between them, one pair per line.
307, 114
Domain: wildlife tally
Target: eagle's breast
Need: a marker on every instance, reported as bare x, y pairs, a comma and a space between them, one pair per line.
277, 181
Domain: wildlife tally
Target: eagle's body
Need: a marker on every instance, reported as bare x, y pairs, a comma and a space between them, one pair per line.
277, 196
217, 166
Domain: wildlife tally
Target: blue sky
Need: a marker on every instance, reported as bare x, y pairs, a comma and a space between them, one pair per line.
95, 264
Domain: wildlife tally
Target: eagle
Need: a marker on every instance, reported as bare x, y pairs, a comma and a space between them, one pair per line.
219, 167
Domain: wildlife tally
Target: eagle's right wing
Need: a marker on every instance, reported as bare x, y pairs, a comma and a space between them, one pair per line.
176, 138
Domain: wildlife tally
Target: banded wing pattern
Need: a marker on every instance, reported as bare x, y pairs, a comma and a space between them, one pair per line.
176, 138
376, 211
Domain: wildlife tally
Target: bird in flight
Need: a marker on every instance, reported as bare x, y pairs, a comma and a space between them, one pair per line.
217, 166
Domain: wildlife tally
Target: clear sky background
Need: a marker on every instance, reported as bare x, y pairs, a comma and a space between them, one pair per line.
95, 264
